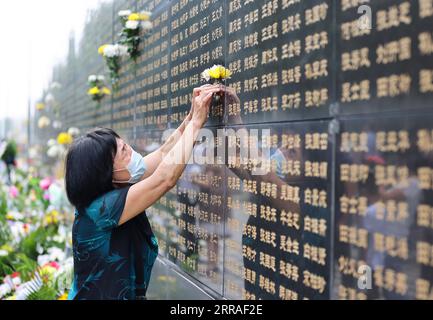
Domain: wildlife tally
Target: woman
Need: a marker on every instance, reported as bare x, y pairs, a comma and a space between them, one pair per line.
110, 186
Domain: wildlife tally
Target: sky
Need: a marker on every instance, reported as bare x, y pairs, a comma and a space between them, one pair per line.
34, 37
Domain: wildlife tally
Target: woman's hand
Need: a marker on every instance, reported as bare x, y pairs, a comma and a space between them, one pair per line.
202, 98
146, 192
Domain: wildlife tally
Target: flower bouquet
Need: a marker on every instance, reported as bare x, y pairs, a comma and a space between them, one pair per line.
97, 90
113, 54
133, 24
216, 75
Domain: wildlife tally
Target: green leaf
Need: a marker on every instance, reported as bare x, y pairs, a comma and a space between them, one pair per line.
44, 293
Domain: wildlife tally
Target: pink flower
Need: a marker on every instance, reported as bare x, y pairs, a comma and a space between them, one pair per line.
46, 196
53, 264
13, 192
45, 183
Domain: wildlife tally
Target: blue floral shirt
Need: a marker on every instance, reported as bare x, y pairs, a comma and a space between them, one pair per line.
111, 262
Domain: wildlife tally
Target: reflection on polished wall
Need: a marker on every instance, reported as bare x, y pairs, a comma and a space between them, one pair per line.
343, 209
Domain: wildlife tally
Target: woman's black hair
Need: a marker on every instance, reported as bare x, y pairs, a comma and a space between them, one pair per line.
89, 166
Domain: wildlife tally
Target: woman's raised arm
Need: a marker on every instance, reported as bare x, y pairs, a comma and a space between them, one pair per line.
154, 159
146, 192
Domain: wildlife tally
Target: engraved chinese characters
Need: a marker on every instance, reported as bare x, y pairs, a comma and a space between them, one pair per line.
280, 53
384, 209
385, 55
278, 212
125, 98
324, 216
153, 69
197, 42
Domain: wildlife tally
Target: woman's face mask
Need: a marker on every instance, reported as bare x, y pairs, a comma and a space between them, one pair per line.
136, 168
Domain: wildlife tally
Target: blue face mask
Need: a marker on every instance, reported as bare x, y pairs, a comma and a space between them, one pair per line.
136, 168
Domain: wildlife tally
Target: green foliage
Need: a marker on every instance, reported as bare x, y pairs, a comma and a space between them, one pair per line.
3, 205
10, 152
29, 244
44, 293
5, 234
6, 266
25, 266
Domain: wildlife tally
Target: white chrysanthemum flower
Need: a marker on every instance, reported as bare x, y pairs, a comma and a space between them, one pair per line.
3, 253
43, 259
205, 74
91, 78
43, 122
53, 151
121, 50
109, 51
74, 132
56, 254
146, 25
124, 13
131, 24
49, 98
100, 78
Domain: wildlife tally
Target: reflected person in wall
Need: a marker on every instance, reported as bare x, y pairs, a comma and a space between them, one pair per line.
111, 186
276, 177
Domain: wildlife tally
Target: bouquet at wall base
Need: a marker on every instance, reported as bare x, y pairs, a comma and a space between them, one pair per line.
35, 240
97, 91
134, 27
113, 54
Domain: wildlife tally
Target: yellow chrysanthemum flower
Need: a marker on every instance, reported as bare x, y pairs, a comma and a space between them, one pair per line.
94, 91
101, 49
134, 17
106, 91
40, 106
64, 138
219, 72
214, 72
63, 297
225, 73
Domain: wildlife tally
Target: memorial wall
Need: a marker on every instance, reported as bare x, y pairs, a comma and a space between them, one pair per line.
344, 207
